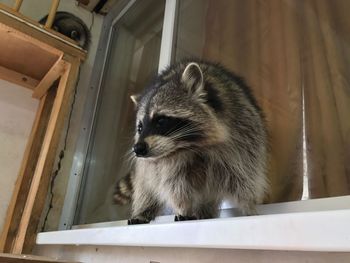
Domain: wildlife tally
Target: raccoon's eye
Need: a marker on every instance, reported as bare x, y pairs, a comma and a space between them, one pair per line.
139, 127
161, 121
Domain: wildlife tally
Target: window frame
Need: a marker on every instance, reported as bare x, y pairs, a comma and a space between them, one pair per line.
76, 176
309, 231
298, 225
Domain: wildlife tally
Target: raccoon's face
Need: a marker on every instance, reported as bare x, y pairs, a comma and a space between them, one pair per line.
175, 115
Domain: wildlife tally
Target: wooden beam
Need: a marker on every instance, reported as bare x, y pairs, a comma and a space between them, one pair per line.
44, 186
10, 258
25, 175
27, 20
27, 226
18, 78
32, 185
9, 11
34, 29
57, 107
52, 13
19, 52
17, 5
51, 76
28, 39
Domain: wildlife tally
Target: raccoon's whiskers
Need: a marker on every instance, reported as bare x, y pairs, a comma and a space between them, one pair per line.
129, 157
184, 131
191, 149
177, 130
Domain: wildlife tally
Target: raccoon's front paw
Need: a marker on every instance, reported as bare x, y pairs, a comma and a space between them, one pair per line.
184, 218
137, 221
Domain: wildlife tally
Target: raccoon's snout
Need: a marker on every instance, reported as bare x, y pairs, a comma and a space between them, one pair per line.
141, 149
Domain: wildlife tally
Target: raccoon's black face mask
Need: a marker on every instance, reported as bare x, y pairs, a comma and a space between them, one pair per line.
174, 115
157, 134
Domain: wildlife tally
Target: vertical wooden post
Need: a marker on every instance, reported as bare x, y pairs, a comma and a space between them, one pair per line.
22, 228
28, 200
17, 5
44, 186
52, 13
30, 159
11, 211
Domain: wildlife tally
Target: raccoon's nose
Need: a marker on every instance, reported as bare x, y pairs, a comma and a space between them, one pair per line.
141, 149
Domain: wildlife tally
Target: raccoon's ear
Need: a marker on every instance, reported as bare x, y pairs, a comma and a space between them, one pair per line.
192, 77
135, 99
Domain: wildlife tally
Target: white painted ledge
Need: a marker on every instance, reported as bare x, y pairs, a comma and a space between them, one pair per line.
307, 231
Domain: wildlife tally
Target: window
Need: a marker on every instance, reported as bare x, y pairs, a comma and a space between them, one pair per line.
132, 62
294, 55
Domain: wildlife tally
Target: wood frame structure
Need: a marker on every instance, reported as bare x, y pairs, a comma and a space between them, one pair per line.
46, 62
11, 258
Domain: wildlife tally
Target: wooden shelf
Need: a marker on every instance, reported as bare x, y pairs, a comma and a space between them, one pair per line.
46, 62
40, 33
26, 56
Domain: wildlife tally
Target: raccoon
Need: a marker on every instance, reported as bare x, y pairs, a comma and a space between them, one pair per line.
72, 27
200, 137
124, 189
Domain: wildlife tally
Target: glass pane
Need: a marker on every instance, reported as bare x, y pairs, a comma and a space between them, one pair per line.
296, 57
132, 62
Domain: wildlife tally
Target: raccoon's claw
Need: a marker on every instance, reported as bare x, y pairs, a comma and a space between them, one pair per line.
184, 218
137, 221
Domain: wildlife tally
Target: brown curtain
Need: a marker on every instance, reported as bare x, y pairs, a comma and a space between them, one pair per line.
295, 54
327, 95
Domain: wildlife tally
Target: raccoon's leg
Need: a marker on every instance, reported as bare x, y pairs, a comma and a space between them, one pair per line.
250, 195
247, 208
145, 208
207, 209
183, 209
189, 208
184, 218
246, 201
204, 210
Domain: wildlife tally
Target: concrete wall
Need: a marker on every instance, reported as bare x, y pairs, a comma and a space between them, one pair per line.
17, 112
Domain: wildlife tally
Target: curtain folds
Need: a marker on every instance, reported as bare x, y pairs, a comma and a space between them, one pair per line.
295, 54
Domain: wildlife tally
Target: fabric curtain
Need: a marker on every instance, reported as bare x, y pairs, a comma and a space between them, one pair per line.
295, 54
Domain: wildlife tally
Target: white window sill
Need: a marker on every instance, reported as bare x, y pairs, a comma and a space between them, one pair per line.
306, 231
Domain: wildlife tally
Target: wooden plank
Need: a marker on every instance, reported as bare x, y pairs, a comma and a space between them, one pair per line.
11, 258
52, 13
40, 200
26, 172
36, 30
17, 5
28, 20
22, 228
28, 225
18, 78
19, 180
53, 74
19, 52
39, 157
27, 38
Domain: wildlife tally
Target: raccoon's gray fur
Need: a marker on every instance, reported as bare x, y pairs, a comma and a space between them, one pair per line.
201, 137
72, 27
124, 189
